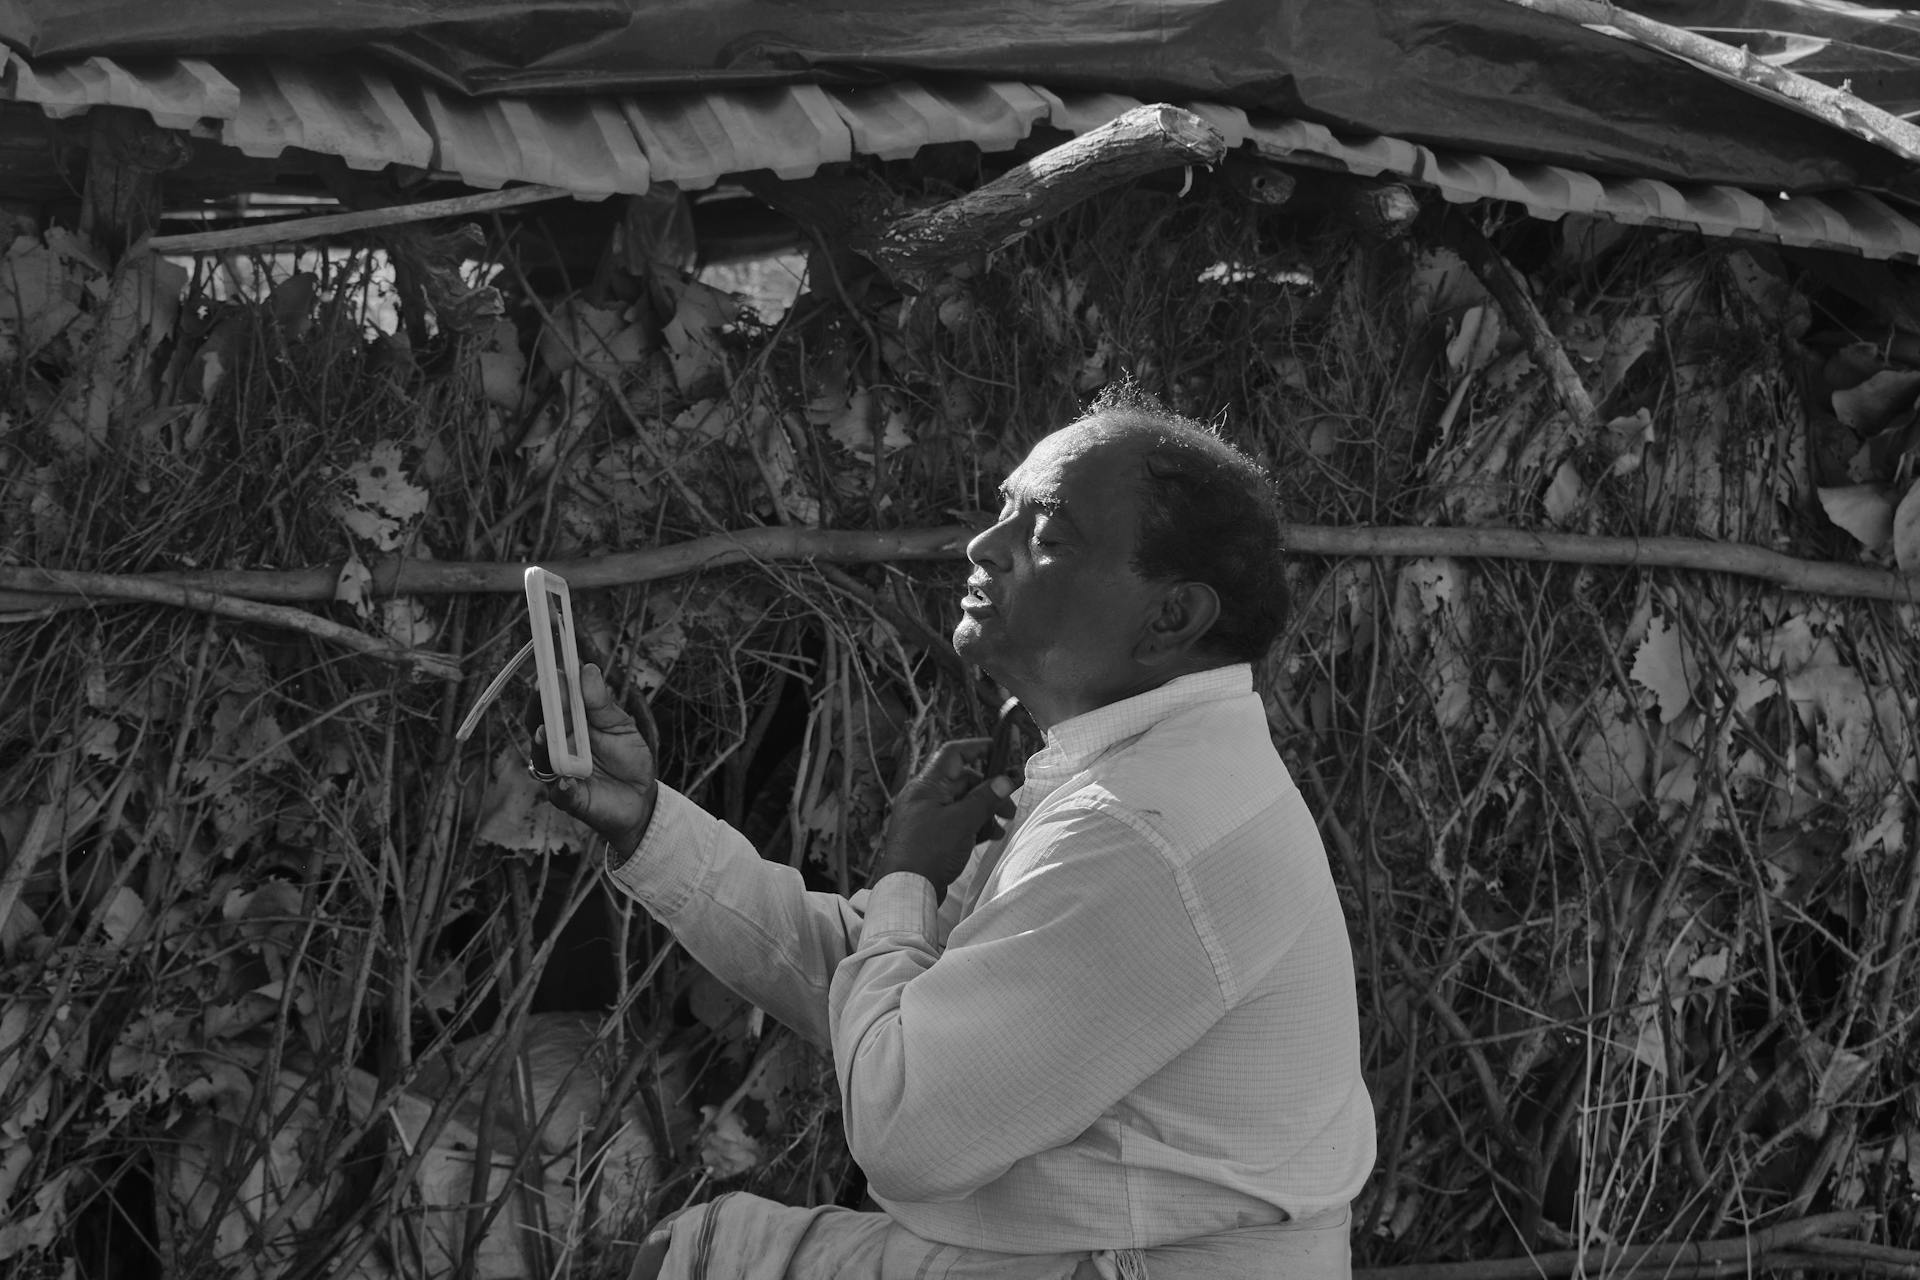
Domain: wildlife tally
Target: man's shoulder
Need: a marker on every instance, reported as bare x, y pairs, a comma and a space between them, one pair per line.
1194, 777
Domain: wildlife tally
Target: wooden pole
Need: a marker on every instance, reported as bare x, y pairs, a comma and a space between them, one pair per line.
1141, 141
290, 230
126, 154
1837, 107
44, 589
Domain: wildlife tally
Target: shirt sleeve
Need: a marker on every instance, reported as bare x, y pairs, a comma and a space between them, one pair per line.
1052, 1001
751, 922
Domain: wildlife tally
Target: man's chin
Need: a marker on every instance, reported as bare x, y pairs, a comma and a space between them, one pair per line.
971, 643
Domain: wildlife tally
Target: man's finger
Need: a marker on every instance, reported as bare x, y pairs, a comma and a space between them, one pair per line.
578, 798
990, 797
603, 711
959, 754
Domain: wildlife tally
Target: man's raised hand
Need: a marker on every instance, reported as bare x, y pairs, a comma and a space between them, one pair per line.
617, 801
931, 828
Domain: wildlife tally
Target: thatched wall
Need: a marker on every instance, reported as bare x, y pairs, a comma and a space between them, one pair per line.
1624, 849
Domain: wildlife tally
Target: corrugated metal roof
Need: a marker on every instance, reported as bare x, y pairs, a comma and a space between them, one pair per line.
356, 115
601, 145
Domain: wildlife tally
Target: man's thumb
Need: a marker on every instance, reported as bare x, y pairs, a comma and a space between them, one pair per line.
990, 796
569, 795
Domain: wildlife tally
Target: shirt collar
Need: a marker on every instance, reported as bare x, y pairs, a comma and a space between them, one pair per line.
1072, 744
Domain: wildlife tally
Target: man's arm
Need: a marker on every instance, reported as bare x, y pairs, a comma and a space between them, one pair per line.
751, 922
1050, 1003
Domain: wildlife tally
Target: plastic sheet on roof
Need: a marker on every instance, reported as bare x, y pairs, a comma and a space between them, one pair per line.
595, 145
1479, 75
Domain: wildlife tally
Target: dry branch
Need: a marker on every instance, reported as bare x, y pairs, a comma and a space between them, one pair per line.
397, 576
1509, 289
1837, 107
96, 588
289, 230
1812, 577
1142, 141
1652, 1259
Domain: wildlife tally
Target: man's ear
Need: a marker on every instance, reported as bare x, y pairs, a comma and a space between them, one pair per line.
1187, 612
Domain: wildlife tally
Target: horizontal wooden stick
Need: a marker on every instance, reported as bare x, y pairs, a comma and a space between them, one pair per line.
46, 588
289, 230
1814, 577
99, 588
396, 576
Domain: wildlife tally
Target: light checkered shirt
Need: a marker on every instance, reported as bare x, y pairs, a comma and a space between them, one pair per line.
1133, 1020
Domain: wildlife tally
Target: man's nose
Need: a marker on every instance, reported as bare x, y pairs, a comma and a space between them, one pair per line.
988, 548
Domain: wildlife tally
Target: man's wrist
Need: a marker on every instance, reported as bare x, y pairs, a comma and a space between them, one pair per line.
897, 907
885, 869
623, 845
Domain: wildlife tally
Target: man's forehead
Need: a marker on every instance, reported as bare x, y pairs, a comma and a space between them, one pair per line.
1072, 451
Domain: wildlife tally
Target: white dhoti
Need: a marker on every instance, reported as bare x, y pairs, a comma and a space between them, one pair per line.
744, 1237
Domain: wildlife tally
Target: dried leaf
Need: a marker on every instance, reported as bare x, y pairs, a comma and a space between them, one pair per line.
1852, 365
1664, 664
1835, 1072
503, 366
1710, 968
39, 294
98, 739
1506, 373
139, 314
22, 924
405, 620
693, 337
355, 585
1564, 495
726, 1148
1751, 688
1650, 1045
1906, 531
1678, 789
38, 1229
603, 340
377, 502
514, 813
1626, 343
1870, 406
709, 420
1474, 341
1442, 282
122, 917
1625, 440
784, 477
1431, 602
650, 659
853, 428
1324, 439
1863, 510
955, 311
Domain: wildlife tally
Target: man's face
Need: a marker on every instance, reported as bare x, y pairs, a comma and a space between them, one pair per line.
1054, 608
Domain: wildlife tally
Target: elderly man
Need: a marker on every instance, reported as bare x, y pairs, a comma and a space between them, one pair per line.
1121, 1038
